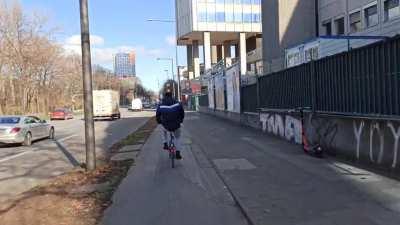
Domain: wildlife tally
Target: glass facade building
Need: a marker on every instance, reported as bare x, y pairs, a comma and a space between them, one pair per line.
228, 11
219, 26
219, 16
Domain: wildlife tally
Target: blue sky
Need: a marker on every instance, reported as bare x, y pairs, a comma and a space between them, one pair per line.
117, 25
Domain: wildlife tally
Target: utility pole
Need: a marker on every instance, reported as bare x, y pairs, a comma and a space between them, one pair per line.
87, 87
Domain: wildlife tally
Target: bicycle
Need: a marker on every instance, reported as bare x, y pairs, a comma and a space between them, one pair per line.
172, 149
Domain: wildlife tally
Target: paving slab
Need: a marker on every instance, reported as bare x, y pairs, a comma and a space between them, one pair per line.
131, 148
124, 156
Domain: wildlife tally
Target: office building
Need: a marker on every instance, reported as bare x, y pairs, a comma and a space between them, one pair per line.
359, 18
286, 23
298, 31
221, 27
125, 64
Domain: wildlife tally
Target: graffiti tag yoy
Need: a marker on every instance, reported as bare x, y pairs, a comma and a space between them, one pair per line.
284, 126
377, 129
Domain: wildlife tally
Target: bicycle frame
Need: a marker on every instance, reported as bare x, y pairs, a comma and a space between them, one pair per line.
172, 149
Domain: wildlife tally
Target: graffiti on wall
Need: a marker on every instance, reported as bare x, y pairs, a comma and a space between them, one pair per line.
284, 126
376, 133
324, 131
381, 139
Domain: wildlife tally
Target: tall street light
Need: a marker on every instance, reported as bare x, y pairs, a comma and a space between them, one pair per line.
167, 74
172, 72
161, 20
87, 87
176, 51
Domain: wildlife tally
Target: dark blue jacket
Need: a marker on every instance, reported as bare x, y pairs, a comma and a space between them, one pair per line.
170, 114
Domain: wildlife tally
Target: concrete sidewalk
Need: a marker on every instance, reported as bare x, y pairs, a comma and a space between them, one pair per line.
230, 173
153, 193
276, 183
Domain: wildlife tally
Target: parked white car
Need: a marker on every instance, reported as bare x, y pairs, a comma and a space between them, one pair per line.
24, 130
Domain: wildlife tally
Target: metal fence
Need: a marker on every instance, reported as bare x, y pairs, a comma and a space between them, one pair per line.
203, 100
364, 81
249, 95
287, 89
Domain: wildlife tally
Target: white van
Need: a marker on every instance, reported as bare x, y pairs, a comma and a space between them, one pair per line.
137, 105
106, 104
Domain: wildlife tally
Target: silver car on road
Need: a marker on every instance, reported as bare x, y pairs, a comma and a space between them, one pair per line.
24, 130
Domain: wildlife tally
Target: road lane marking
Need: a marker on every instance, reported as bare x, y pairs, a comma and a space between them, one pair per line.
15, 156
32, 151
67, 138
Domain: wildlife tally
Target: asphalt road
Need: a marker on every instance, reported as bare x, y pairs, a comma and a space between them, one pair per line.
22, 168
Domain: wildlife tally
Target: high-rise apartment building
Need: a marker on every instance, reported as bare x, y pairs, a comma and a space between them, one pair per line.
125, 64
219, 26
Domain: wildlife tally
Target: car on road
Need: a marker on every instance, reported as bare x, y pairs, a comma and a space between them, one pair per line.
137, 105
61, 114
146, 105
24, 130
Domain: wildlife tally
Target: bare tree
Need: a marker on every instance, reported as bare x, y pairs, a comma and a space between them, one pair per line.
33, 68
36, 74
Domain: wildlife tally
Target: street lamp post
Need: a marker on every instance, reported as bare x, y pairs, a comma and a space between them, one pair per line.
172, 72
87, 87
176, 52
167, 73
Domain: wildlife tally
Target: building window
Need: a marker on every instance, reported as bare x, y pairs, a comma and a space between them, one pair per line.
256, 18
246, 2
238, 2
220, 17
247, 18
391, 9
257, 2
211, 17
202, 17
355, 22
229, 17
327, 25
238, 17
220, 1
371, 16
339, 26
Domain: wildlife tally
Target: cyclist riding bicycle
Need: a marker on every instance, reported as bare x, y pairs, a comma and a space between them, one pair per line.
170, 115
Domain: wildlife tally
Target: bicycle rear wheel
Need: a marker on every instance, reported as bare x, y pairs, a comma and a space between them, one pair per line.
172, 160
